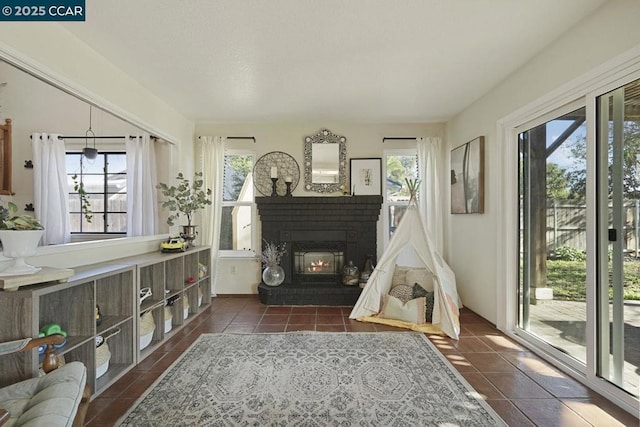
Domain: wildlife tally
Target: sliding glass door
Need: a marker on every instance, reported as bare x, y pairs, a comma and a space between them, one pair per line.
552, 281
618, 198
590, 322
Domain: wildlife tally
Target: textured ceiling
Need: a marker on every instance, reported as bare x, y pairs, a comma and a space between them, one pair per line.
348, 60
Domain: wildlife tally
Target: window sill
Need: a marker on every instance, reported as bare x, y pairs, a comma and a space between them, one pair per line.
237, 255
76, 238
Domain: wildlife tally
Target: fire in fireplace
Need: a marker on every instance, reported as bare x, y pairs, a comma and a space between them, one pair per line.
318, 262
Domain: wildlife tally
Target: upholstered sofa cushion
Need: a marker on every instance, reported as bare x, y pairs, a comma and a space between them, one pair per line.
50, 400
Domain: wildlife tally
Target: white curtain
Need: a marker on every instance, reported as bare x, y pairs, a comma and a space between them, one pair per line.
51, 189
212, 150
142, 204
430, 166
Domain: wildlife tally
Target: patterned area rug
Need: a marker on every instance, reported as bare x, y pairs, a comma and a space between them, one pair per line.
311, 379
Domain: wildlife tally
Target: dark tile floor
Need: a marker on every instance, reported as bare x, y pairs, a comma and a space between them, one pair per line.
522, 388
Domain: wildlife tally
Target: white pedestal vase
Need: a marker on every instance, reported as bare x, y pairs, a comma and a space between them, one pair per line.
18, 244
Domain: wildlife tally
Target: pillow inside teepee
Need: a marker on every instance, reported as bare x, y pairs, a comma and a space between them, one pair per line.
412, 311
422, 276
399, 276
420, 292
403, 292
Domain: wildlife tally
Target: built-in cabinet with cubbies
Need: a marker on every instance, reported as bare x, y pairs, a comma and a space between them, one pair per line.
100, 304
179, 287
71, 308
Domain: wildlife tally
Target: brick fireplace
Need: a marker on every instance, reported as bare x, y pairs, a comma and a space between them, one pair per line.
321, 234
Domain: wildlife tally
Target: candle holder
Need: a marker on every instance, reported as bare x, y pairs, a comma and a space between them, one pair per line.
288, 193
274, 192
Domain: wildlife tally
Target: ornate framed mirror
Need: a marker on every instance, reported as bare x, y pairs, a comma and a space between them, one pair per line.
325, 158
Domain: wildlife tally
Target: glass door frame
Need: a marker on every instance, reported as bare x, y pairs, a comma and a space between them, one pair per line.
566, 360
613, 137
584, 90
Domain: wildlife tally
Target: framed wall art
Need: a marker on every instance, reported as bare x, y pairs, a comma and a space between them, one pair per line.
366, 176
467, 177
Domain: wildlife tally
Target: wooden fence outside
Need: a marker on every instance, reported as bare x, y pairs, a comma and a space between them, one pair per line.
567, 225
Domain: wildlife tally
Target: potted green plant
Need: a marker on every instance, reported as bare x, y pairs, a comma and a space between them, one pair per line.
20, 235
186, 198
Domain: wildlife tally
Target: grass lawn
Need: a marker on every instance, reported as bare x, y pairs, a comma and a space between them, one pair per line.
568, 279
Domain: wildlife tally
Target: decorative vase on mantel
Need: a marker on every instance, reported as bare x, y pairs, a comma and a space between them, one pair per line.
273, 275
18, 244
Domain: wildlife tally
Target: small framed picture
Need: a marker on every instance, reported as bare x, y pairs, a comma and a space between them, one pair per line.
366, 176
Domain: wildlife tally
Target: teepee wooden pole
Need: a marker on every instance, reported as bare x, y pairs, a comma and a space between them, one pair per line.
413, 185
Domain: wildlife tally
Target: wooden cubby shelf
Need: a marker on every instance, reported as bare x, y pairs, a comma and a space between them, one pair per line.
114, 287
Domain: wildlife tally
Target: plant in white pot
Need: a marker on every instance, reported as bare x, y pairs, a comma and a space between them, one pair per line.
186, 198
20, 235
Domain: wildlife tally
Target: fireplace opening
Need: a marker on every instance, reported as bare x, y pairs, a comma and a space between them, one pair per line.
318, 262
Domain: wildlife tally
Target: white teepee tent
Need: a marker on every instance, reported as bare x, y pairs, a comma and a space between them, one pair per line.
410, 246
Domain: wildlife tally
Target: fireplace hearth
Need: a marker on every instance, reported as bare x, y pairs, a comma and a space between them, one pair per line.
322, 234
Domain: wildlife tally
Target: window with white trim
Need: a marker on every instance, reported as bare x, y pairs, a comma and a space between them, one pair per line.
399, 165
237, 233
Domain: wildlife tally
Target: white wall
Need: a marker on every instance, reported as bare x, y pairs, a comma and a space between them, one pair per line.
50, 51
472, 239
242, 276
35, 106
61, 54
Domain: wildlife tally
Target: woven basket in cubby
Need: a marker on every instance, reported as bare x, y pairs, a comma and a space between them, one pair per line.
103, 354
185, 305
147, 326
168, 319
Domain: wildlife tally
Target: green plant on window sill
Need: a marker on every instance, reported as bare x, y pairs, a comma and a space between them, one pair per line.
10, 221
85, 206
185, 198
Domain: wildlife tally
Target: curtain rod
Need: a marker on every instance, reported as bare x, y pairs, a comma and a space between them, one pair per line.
398, 138
98, 137
253, 138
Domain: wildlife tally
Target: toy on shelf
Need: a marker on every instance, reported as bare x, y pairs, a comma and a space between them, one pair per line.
202, 270
173, 244
51, 329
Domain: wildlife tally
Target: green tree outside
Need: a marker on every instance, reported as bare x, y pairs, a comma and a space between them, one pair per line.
557, 184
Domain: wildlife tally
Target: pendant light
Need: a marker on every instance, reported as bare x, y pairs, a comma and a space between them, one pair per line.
88, 152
